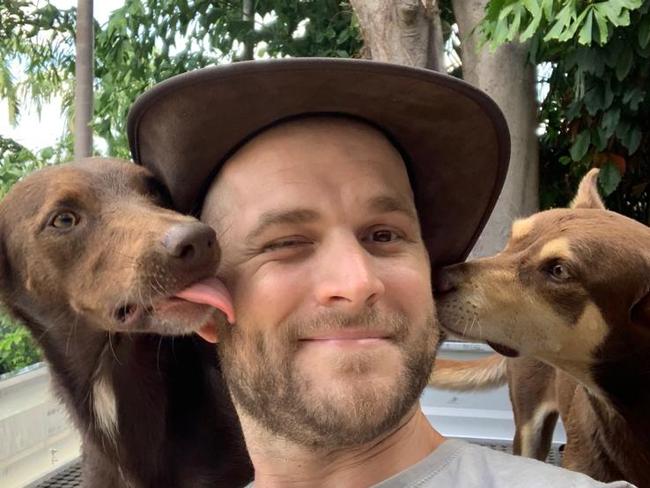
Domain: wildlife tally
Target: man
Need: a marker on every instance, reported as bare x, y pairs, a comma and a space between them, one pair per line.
334, 186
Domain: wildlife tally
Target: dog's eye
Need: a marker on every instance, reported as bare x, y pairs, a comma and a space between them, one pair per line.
559, 272
64, 220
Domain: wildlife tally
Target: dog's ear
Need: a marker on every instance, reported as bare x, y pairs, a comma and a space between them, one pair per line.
587, 195
640, 312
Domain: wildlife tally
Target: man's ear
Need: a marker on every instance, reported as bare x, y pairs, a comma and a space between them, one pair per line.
587, 195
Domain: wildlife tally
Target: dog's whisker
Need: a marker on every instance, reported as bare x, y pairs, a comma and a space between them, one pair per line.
70, 333
110, 343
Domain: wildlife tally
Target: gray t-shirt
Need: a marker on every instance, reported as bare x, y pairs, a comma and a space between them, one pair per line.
457, 464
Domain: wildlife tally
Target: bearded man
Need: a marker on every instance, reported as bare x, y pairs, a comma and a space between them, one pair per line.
334, 187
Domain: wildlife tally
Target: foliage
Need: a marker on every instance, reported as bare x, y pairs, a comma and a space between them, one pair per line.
17, 161
17, 348
147, 41
562, 21
41, 41
597, 111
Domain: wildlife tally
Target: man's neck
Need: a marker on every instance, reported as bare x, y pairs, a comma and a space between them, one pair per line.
281, 463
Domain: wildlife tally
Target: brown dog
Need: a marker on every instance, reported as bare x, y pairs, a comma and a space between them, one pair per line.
94, 265
570, 294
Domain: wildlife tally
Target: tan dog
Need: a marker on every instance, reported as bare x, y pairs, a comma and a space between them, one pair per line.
569, 294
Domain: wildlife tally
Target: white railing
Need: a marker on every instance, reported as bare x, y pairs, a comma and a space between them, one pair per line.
36, 435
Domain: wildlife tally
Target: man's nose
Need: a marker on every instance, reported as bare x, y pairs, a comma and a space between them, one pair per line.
348, 277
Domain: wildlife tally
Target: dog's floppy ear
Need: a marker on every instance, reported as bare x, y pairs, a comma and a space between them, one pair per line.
587, 195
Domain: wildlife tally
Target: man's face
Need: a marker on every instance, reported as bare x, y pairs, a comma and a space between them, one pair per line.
335, 333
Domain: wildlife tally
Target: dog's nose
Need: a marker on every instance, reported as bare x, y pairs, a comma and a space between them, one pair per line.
443, 282
191, 242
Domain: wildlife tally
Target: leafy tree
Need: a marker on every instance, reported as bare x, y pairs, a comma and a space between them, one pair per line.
147, 41
16, 346
597, 111
40, 40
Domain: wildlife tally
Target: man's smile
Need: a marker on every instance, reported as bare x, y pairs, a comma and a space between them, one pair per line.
348, 338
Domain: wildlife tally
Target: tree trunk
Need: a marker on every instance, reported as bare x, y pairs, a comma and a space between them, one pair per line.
510, 81
249, 17
83, 94
401, 31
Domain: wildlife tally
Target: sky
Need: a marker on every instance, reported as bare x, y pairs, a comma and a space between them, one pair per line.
36, 132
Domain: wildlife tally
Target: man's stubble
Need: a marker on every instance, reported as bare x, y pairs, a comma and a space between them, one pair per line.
266, 385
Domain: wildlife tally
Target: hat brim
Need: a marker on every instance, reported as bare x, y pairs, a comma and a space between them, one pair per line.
454, 137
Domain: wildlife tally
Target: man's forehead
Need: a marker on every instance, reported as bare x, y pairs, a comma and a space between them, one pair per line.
299, 142
318, 151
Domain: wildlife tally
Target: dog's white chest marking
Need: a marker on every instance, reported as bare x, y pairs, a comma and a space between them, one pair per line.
105, 406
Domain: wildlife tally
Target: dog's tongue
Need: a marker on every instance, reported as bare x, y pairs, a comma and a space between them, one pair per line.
211, 292
503, 350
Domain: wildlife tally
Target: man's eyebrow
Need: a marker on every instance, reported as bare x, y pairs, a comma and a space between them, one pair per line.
379, 204
388, 204
279, 217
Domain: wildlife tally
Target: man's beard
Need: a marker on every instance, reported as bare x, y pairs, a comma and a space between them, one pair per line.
265, 384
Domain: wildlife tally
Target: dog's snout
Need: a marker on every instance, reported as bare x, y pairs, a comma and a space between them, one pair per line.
190, 242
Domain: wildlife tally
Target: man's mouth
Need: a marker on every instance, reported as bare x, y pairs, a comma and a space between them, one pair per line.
347, 337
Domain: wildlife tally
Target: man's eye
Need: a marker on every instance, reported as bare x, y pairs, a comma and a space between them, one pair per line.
384, 235
284, 244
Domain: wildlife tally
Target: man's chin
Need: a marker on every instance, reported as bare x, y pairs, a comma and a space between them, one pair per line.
341, 363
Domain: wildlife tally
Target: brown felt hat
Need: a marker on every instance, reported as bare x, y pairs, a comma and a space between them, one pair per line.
453, 137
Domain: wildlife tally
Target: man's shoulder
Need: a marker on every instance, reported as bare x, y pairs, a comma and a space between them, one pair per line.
457, 463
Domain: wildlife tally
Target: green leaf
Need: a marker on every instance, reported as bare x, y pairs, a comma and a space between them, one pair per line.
624, 65
531, 29
590, 60
602, 27
562, 21
599, 139
343, 36
573, 27
622, 129
631, 139
565, 160
644, 32
614, 11
612, 51
634, 97
609, 178
609, 122
585, 36
580, 145
598, 97
518, 11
